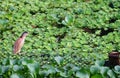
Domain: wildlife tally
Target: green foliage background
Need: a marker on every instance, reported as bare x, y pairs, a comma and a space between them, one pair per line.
56, 28
64, 36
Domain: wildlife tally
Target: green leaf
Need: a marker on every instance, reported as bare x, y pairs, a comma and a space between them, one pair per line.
5, 61
0, 70
111, 74
3, 21
15, 76
17, 67
117, 69
47, 66
63, 74
52, 70
44, 72
99, 63
63, 22
97, 76
5, 69
12, 62
58, 59
75, 68
94, 69
68, 67
98, 32
82, 74
103, 71
33, 68
68, 20
26, 61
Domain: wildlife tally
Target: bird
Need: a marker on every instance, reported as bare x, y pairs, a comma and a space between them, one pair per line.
19, 43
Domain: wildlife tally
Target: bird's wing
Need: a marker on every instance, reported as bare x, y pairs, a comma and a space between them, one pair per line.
18, 45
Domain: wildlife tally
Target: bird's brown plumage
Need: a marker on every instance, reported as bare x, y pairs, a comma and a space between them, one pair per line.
19, 43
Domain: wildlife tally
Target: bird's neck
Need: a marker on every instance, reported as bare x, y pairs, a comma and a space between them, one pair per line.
22, 36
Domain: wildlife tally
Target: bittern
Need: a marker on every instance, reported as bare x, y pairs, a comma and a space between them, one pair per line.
19, 43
